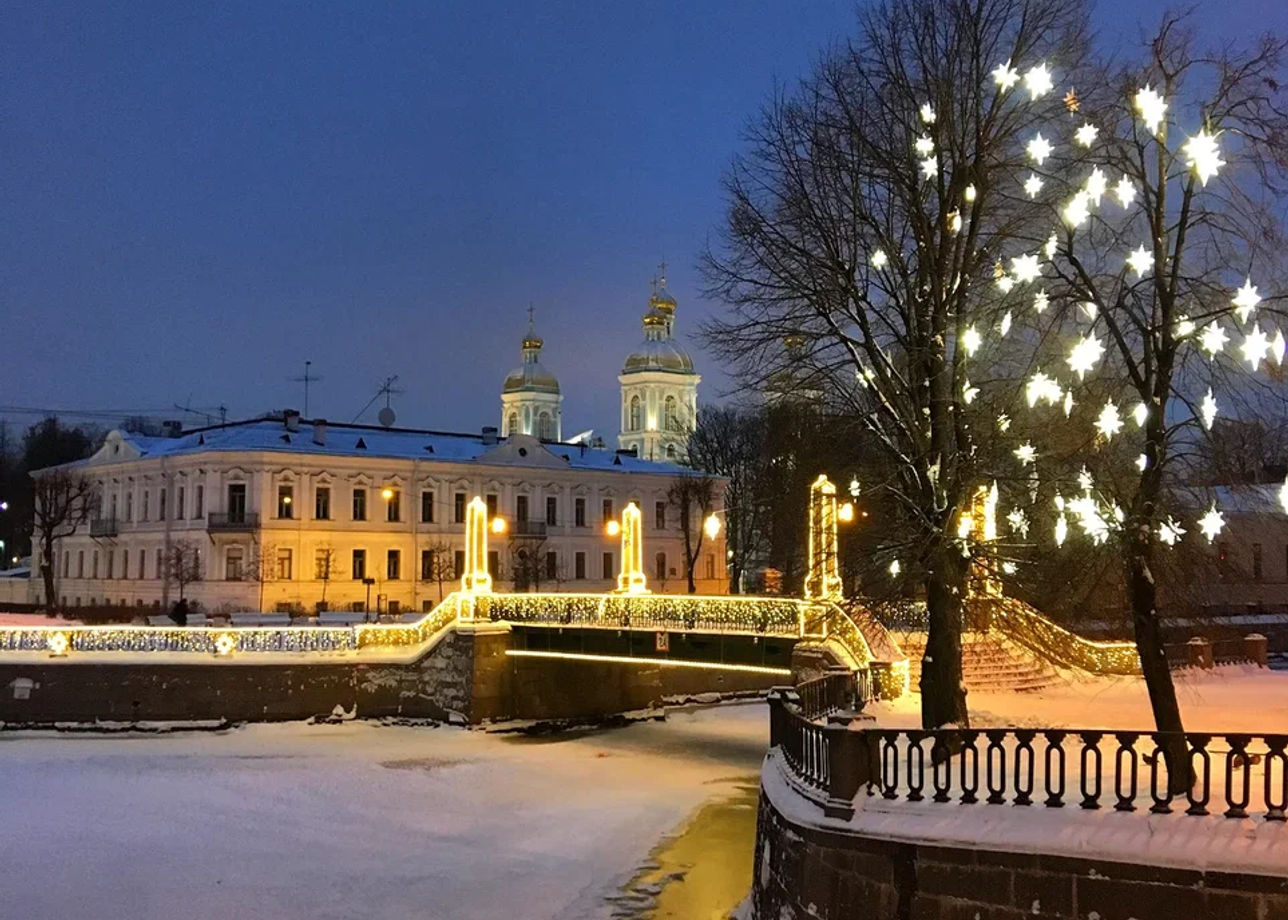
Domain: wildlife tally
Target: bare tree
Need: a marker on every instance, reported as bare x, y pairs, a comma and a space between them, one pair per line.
183, 564
442, 565
731, 443
326, 566
63, 499
694, 497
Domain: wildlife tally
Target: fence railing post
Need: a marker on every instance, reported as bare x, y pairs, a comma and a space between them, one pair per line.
847, 767
1257, 648
777, 699
1199, 652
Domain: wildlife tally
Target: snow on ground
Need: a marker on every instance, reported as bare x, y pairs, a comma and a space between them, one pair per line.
339, 821
1235, 698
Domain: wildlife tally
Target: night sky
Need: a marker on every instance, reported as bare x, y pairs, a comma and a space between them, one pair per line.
197, 201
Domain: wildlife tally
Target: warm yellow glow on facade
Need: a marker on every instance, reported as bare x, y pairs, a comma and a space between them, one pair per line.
846, 512
631, 579
612, 528
477, 579
823, 582
499, 525
387, 493
712, 526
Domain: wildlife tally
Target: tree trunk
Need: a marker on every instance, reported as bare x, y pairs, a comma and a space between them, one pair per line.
1141, 592
47, 573
943, 695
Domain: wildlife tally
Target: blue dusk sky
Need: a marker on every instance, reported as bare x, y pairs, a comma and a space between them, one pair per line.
199, 197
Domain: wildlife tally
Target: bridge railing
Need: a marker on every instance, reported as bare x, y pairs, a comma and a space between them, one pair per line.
1234, 775
839, 690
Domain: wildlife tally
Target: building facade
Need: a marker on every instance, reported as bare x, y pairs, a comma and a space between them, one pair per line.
659, 387
284, 513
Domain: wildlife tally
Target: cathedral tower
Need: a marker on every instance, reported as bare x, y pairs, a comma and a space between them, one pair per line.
530, 399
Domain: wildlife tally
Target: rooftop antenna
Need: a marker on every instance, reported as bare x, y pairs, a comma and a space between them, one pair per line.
387, 389
306, 380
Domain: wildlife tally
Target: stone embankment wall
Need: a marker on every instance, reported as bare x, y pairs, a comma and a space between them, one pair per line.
804, 872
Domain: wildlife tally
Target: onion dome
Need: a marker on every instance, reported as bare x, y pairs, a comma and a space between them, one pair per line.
531, 376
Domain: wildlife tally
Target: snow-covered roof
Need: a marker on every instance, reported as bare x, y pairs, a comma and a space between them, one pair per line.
271, 435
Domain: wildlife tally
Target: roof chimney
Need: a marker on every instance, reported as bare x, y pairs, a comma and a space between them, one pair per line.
319, 432
172, 428
489, 434
292, 419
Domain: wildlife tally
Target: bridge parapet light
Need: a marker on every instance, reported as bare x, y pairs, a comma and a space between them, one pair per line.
477, 579
823, 581
631, 579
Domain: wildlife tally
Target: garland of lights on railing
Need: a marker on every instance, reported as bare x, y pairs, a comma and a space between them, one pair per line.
1022, 624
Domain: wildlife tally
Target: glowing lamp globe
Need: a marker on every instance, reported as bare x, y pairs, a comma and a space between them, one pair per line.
387, 493
498, 525
712, 526
613, 528
846, 512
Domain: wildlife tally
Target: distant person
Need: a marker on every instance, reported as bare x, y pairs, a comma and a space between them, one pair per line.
180, 612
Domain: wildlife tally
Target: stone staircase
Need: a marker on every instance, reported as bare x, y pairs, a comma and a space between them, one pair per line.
991, 663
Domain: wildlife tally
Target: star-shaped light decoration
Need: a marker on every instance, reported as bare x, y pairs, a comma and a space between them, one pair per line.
1019, 522
1283, 496
930, 166
1125, 191
1005, 325
1184, 328
1003, 422
1026, 268
1151, 107
1040, 386
1025, 453
1008, 568
1204, 155
1084, 355
1049, 249
1068, 402
1141, 260
969, 392
1170, 531
1207, 409
1141, 462
1005, 283
954, 221
1005, 76
1212, 339
1255, 346
1089, 308
1037, 80
971, 340
1071, 101
1032, 185
1211, 523
1041, 301
1038, 149
925, 145
1277, 347
1086, 135
878, 259
894, 568
1077, 210
1085, 482
1061, 530
927, 113
1096, 186
970, 193
1109, 422
1245, 300
1140, 414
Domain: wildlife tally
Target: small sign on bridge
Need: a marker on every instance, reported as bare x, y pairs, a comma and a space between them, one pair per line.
662, 641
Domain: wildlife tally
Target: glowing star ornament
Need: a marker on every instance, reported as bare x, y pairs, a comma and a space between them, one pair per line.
1032, 185
1109, 422
927, 113
1212, 523
1078, 209
894, 568
1170, 531
1140, 414
1041, 301
1140, 261
1212, 339
1283, 496
1005, 284
970, 194
1049, 250
1005, 76
1037, 80
1246, 300
1071, 101
1142, 462
1040, 386
1277, 348
878, 259
969, 392
1203, 155
1019, 522
1025, 268
1061, 530
1151, 108
1025, 453
1068, 403
929, 167
1207, 409
1038, 149
954, 222
1085, 354
1255, 346
1184, 327
1003, 422
1096, 186
1125, 191
1005, 325
971, 340
925, 145
1086, 135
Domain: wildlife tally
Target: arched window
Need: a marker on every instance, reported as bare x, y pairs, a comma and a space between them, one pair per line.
545, 427
512, 424
670, 451
636, 421
671, 420
660, 563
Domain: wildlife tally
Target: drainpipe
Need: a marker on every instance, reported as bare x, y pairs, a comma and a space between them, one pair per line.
165, 552
413, 509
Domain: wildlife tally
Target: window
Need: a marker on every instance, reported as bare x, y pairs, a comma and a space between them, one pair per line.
359, 564
111, 564
129, 506
393, 505
552, 511
427, 507
579, 566
521, 510
608, 565
322, 503
160, 565
458, 508
608, 510
511, 424
426, 565
393, 565
67, 561
161, 497
93, 565
492, 504
670, 421
459, 562
545, 427
636, 421
146, 496
670, 452
659, 515
494, 563
125, 563
552, 566
711, 566
579, 512
322, 560
359, 504
659, 565
80, 563
143, 559
113, 514
233, 563
1256, 562
237, 503
179, 504
285, 500
199, 506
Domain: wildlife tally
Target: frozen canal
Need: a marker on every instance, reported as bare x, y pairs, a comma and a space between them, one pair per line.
359, 820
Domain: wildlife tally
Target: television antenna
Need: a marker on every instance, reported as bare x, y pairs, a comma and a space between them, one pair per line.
306, 379
386, 416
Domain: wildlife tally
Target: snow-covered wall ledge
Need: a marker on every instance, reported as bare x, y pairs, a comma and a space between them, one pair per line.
898, 860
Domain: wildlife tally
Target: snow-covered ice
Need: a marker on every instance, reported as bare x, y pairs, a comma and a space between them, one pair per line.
353, 820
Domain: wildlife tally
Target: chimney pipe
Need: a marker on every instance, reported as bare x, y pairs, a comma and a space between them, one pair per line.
292, 419
319, 432
489, 434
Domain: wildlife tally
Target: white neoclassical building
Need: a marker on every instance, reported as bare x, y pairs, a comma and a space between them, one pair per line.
659, 387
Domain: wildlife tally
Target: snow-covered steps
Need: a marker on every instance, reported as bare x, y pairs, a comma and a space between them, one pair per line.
991, 663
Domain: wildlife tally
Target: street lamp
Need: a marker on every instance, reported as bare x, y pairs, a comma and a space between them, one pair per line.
846, 512
387, 494
711, 525
498, 525
612, 528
